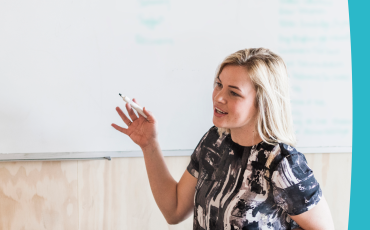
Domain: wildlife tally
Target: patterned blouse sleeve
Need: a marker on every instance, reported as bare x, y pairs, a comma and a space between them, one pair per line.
193, 167
295, 188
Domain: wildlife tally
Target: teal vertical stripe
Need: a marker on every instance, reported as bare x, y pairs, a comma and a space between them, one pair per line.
359, 17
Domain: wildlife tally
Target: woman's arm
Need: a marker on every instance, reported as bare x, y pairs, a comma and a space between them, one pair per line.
175, 200
317, 218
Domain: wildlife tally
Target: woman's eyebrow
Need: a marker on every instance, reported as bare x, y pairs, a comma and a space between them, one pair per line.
231, 86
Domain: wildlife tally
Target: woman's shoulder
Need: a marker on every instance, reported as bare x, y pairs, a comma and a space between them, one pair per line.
288, 150
281, 153
208, 138
284, 149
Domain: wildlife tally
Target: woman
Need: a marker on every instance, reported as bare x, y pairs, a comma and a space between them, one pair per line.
244, 173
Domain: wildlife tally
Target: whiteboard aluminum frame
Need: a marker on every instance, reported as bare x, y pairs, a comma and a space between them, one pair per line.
107, 155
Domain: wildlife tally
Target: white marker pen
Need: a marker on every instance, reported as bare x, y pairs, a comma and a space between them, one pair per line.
134, 105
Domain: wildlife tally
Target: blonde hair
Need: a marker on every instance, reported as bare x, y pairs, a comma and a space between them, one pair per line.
269, 76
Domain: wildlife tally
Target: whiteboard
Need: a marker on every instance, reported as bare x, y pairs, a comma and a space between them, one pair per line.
63, 64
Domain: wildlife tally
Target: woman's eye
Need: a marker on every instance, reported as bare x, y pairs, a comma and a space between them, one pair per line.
218, 84
234, 93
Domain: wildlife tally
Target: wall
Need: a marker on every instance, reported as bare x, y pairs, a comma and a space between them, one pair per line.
116, 194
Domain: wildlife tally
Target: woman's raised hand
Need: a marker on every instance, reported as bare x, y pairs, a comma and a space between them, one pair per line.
142, 131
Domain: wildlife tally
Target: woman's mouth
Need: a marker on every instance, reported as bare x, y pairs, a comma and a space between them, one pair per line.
219, 113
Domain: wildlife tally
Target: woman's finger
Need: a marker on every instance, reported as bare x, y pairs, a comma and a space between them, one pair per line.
134, 100
122, 130
123, 116
131, 112
149, 115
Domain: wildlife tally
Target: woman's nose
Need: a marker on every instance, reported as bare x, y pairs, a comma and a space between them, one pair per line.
219, 97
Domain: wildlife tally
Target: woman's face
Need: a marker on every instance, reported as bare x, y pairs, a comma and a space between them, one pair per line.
235, 95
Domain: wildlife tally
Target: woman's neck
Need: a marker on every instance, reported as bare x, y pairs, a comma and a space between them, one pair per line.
245, 136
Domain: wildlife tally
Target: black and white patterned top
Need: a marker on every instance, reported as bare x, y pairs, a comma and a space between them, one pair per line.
255, 187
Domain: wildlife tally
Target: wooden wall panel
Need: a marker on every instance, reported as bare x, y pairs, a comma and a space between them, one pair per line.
116, 195
38, 195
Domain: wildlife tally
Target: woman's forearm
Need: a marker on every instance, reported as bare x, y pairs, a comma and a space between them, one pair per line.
162, 184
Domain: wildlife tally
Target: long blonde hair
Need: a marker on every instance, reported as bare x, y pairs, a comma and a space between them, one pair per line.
269, 76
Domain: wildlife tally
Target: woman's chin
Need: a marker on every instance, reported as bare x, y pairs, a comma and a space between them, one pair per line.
218, 124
